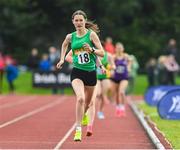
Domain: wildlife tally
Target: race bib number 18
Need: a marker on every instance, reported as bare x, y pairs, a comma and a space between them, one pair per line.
83, 58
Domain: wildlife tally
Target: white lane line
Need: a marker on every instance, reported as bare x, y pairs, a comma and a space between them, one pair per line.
31, 113
17, 102
58, 146
147, 128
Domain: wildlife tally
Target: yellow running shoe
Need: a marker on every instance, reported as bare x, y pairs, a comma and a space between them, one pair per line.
77, 136
85, 120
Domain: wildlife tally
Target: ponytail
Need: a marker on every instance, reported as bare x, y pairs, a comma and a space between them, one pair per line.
92, 26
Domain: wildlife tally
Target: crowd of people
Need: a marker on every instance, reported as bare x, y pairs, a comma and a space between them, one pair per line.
44, 62
164, 69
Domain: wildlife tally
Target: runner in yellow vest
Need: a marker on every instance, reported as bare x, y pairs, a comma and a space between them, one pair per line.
104, 83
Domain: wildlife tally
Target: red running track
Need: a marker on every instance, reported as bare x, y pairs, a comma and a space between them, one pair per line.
44, 122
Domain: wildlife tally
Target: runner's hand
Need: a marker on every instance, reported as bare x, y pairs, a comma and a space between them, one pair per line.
87, 48
103, 69
59, 64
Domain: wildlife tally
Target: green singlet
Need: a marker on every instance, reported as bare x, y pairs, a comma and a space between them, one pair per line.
81, 58
104, 62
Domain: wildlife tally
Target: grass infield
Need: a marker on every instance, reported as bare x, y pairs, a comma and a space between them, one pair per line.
170, 128
23, 85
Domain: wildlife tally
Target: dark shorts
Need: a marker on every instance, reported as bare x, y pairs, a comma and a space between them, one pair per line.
88, 77
118, 81
103, 79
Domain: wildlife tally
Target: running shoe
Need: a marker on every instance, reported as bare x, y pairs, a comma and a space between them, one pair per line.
85, 120
123, 113
77, 136
120, 112
100, 115
89, 130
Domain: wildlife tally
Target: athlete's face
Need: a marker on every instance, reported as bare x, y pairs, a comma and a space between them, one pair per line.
79, 22
119, 48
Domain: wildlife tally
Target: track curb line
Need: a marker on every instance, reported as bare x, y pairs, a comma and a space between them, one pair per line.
149, 131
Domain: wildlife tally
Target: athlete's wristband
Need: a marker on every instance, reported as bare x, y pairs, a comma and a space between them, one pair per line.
93, 49
101, 66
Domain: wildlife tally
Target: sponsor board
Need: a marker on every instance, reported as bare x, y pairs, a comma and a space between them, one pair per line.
154, 94
169, 105
51, 79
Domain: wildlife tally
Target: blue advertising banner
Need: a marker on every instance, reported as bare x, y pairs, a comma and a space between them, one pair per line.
154, 94
169, 105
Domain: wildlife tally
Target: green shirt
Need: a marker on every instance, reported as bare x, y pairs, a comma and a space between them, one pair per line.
105, 63
81, 58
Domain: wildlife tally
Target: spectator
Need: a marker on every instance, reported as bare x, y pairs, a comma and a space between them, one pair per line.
2, 67
10, 58
172, 50
162, 71
44, 64
11, 74
108, 45
53, 57
151, 71
33, 60
172, 67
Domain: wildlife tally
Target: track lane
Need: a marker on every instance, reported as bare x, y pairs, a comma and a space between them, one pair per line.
42, 130
5, 99
17, 102
113, 133
9, 113
46, 129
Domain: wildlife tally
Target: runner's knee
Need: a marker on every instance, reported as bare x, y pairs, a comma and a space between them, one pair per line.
92, 104
81, 100
122, 93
